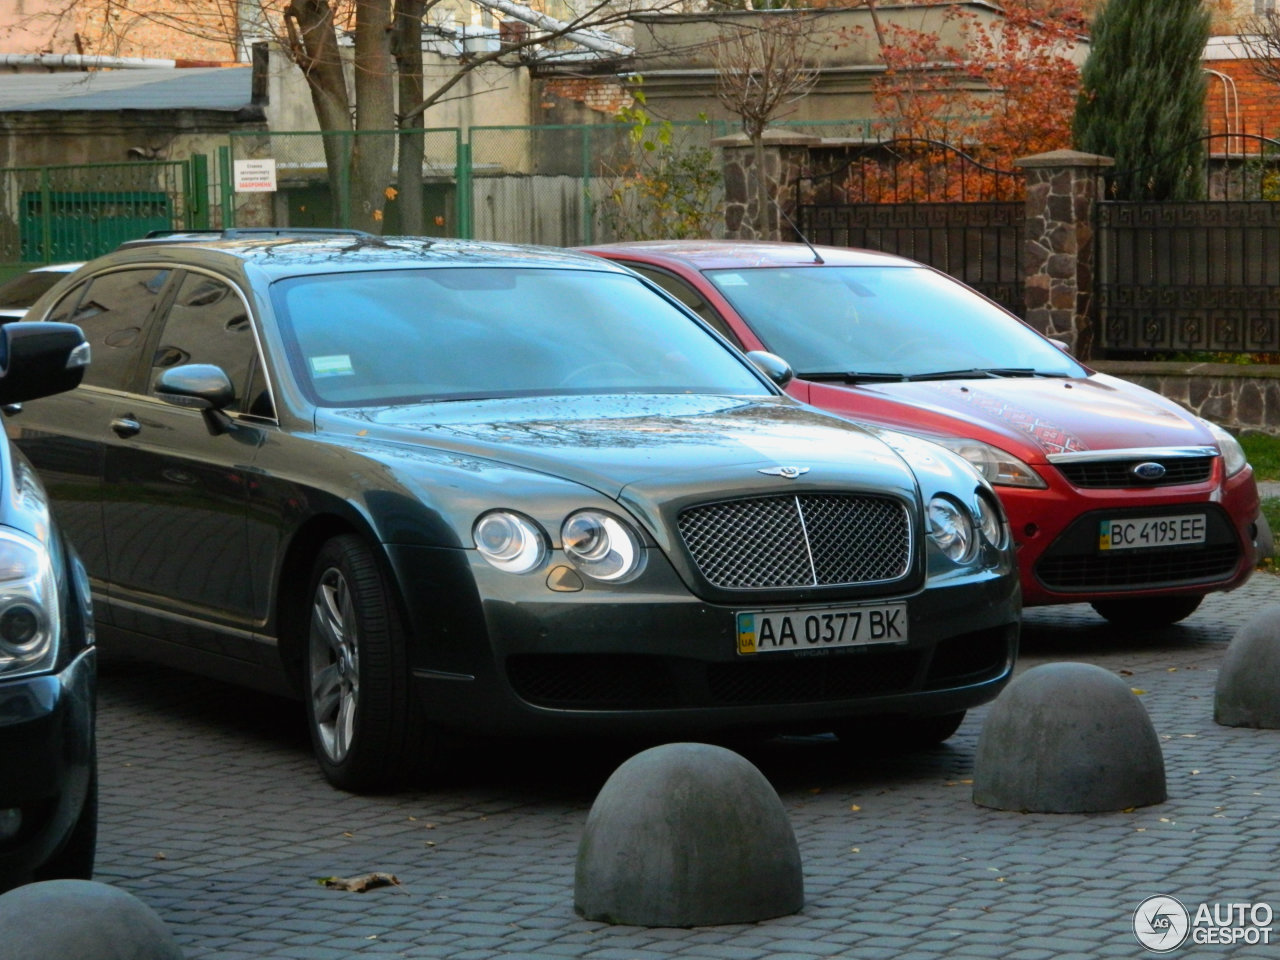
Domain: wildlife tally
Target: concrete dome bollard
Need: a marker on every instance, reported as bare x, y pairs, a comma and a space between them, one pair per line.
62, 919
687, 835
1247, 693
1068, 738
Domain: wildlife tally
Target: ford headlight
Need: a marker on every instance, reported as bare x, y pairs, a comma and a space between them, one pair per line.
601, 545
509, 541
29, 616
1233, 456
998, 466
951, 529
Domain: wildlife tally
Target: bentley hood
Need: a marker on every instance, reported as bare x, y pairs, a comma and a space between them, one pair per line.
609, 443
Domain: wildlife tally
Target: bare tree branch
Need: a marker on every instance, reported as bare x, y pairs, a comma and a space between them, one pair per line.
1261, 39
762, 67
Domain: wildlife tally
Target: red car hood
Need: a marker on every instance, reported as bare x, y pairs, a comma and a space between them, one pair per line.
1029, 417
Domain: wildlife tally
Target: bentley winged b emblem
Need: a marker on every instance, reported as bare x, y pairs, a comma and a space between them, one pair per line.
788, 473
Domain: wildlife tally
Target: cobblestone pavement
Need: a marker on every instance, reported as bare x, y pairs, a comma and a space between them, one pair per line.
213, 814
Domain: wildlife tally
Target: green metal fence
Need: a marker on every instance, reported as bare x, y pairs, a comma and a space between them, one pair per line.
556, 185
62, 213
306, 195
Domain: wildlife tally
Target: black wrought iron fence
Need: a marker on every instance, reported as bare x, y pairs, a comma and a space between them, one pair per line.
1197, 276
922, 199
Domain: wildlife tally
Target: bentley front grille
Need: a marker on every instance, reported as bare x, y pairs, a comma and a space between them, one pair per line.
806, 540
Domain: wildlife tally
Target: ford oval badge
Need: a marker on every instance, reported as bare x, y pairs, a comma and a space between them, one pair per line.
1149, 471
788, 473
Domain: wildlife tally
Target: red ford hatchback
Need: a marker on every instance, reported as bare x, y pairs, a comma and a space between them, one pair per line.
1116, 496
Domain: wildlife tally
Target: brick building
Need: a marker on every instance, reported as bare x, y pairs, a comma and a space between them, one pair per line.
37, 26
1239, 100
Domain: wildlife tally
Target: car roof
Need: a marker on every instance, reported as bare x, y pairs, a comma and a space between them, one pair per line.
740, 254
291, 256
236, 233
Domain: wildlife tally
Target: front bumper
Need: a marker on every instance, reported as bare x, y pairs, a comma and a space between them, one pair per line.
46, 762
1059, 561
511, 655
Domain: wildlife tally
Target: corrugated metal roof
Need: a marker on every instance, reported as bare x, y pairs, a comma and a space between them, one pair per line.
188, 88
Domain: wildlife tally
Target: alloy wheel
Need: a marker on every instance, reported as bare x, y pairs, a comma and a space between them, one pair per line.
334, 663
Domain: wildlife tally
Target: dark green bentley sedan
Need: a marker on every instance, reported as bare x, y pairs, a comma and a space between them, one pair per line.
431, 486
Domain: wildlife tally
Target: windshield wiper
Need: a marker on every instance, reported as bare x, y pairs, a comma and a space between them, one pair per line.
853, 376
989, 372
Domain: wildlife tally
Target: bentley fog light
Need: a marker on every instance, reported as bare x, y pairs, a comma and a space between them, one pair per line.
951, 529
600, 545
997, 466
29, 618
512, 543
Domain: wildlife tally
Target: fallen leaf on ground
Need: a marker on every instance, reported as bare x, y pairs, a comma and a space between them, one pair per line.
366, 881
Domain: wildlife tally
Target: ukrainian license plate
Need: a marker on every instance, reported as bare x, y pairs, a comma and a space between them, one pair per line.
1139, 532
812, 628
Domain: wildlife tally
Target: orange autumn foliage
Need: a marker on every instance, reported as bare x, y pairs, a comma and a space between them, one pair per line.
1008, 91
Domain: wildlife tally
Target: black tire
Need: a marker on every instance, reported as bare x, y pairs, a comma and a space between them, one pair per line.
1147, 611
366, 728
897, 734
75, 860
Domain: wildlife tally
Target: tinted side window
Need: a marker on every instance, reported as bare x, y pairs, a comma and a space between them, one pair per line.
208, 323
112, 310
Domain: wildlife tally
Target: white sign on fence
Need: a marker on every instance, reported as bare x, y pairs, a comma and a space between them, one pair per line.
255, 176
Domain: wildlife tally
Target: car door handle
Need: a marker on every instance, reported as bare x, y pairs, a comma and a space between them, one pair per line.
126, 426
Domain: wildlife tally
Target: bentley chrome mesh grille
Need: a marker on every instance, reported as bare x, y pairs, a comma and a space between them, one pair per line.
808, 540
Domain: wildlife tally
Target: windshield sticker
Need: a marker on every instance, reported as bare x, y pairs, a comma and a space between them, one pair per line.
338, 365
730, 280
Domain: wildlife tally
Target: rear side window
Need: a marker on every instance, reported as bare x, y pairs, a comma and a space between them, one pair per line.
208, 323
113, 309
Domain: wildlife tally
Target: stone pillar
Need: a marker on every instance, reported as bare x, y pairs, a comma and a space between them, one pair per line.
1062, 189
785, 157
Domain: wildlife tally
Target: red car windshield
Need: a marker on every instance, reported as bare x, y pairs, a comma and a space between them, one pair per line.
885, 323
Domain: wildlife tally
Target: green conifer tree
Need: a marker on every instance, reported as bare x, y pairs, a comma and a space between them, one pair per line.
1142, 97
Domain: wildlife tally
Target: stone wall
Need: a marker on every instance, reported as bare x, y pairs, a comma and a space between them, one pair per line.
784, 156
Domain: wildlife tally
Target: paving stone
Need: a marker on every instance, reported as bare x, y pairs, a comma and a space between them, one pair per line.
221, 782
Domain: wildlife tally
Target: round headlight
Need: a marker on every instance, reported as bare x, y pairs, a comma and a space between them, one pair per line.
510, 542
950, 528
990, 520
601, 545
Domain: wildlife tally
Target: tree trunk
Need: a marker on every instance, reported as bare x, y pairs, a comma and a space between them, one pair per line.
373, 156
407, 47
762, 218
314, 47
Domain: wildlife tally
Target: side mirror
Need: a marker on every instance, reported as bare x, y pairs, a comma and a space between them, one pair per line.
40, 359
202, 386
772, 366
